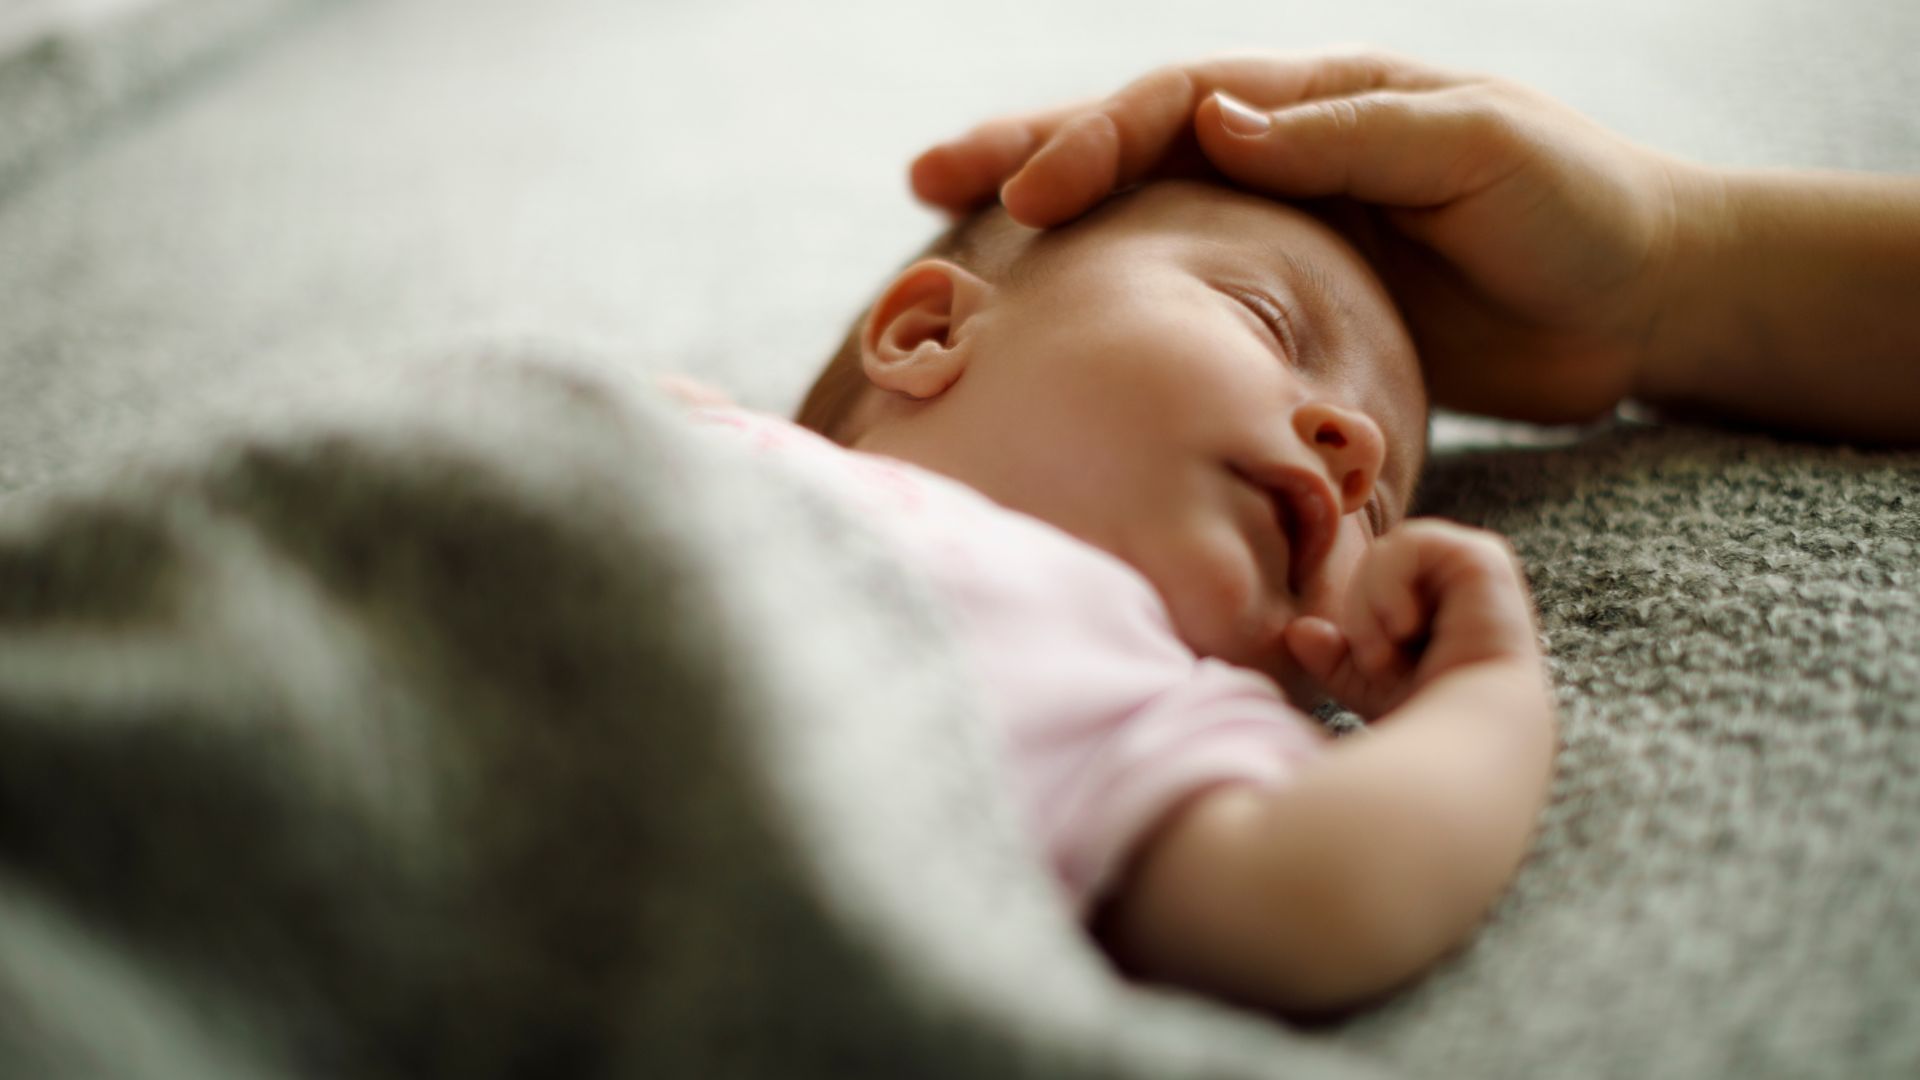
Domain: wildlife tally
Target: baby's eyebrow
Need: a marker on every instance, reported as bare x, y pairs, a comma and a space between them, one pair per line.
1323, 294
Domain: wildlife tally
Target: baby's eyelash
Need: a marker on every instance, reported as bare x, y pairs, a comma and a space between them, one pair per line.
1374, 516
1273, 316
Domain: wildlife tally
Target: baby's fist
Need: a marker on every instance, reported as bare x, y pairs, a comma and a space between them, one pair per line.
1428, 598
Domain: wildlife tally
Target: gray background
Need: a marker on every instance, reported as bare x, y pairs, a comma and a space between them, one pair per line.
711, 187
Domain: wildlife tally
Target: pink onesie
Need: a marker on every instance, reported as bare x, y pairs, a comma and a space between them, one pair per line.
1106, 719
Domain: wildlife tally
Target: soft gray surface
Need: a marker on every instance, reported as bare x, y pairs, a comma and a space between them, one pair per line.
489, 723
1726, 878
716, 186
68, 68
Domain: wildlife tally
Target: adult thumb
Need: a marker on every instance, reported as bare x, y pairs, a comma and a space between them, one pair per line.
1416, 148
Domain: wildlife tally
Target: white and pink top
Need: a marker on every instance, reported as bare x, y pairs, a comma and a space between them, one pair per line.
1106, 719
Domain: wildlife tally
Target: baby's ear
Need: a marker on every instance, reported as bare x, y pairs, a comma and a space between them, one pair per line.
916, 339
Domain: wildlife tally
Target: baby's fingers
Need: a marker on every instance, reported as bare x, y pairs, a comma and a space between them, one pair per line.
1377, 655
1326, 656
1323, 654
1386, 614
1320, 650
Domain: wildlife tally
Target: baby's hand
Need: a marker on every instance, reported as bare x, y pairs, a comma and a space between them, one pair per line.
1429, 598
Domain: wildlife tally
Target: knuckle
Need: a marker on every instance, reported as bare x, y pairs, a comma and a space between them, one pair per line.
999, 131
1170, 77
1155, 103
1342, 115
1509, 92
1163, 86
1418, 529
1374, 66
1486, 116
1345, 69
1482, 548
1360, 55
1489, 134
1496, 554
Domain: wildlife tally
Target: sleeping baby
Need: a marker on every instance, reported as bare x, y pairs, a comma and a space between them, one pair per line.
1157, 464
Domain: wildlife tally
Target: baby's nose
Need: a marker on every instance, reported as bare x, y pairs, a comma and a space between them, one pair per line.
1348, 443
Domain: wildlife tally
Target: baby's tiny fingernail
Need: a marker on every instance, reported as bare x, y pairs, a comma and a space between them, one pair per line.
1240, 118
1006, 186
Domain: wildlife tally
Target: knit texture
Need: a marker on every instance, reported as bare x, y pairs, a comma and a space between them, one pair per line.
490, 723
1725, 879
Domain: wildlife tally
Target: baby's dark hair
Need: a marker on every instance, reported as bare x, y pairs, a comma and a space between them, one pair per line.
983, 242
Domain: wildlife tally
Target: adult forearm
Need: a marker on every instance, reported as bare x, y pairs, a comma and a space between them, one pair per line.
1787, 303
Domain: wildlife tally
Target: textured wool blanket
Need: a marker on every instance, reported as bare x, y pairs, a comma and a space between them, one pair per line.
496, 722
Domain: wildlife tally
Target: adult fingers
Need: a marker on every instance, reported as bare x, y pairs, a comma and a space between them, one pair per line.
1403, 148
1053, 165
1068, 176
962, 173
1137, 130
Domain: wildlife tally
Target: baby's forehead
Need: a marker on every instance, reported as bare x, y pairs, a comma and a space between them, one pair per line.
1285, 244
1316, 247
1252, 226
1193, 197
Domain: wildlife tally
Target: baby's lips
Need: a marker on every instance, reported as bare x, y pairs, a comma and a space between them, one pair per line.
1304, 504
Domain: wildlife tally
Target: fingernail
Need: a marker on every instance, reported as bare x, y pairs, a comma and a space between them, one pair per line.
1240, 118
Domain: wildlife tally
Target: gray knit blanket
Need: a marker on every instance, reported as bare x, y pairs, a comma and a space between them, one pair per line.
495, 722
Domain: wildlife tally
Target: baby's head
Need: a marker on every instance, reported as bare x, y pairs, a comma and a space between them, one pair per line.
1212, 386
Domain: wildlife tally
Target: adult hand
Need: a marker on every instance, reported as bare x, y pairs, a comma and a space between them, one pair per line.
1528, 248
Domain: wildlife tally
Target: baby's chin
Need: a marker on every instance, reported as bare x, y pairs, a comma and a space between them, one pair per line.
1241, 622
1258, 641
1258, 644
1278, 665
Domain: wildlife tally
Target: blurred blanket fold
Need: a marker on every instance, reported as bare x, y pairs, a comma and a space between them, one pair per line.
495, 721
495, 724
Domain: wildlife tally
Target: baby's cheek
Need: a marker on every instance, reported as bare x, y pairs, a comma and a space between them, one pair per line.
1213, 589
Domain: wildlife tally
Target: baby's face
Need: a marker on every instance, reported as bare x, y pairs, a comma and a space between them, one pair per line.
1211, 386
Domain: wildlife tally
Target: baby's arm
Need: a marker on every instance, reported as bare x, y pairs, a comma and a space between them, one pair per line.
1382, 857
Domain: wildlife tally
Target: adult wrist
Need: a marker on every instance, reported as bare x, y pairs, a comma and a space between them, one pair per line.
1685, 325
